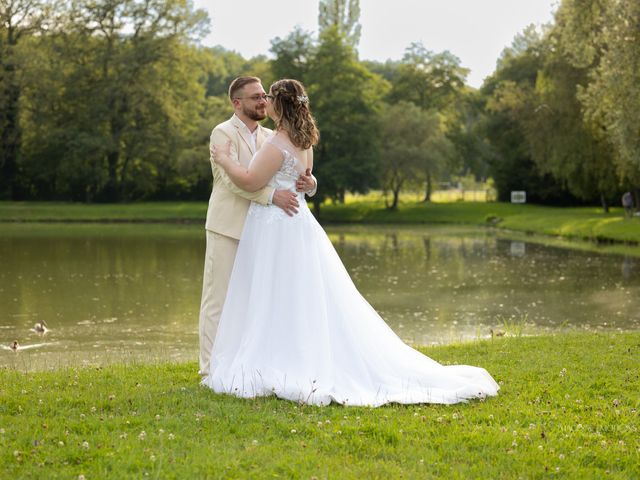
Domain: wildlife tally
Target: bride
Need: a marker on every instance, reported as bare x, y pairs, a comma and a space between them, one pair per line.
311, 337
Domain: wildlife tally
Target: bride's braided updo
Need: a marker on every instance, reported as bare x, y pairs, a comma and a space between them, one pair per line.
291, 106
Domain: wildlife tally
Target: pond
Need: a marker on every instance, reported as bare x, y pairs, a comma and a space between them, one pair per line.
123, 292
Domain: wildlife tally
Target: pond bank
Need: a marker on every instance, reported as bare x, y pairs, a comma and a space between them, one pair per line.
568, 406
586, 223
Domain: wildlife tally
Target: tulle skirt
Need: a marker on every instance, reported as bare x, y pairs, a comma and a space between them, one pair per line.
294, 325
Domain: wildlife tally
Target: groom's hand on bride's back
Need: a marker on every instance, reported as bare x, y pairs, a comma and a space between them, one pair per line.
287, 201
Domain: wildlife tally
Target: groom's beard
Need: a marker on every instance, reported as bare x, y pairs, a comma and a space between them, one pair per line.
257, 114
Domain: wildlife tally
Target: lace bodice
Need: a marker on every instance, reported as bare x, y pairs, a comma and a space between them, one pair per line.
284, 179
291, 168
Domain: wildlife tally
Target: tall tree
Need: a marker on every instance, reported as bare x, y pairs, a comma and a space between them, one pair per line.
603, 36
113, 98
428, 79
510, 98
18, 20
343, 15
125, 44
561, 142
415, 150
293, 55
346, 102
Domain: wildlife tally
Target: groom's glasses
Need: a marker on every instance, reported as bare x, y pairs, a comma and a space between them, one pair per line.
255, 98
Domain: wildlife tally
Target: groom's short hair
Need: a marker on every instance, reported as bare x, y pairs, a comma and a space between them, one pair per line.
239, 83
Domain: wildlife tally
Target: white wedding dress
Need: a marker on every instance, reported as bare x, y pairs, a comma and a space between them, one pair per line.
294, 325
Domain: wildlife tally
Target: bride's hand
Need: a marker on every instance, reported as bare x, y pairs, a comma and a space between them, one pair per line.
221, 153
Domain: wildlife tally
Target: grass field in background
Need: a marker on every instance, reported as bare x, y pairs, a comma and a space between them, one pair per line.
588, 223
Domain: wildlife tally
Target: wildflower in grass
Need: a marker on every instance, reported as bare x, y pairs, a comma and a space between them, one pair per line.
1, 431
171, 436
161, 431
152, 458
339, 432
81, 477
254, 442
82, 415
439, 419
157, 417
112, 397
561, 456
123, 435
532, 426
540, 447
85, 445
61, 443
293, 430
142, 435
454, 416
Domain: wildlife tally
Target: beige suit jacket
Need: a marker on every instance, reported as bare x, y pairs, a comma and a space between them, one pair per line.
228, 204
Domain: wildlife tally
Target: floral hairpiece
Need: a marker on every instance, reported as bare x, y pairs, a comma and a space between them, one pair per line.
302, 99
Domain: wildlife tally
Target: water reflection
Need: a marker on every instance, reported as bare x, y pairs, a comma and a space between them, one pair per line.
108, 292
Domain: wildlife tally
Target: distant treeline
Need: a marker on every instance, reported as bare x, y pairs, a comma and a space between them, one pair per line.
114, 100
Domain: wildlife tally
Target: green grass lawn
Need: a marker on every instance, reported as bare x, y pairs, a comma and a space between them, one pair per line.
568, 408
574, 222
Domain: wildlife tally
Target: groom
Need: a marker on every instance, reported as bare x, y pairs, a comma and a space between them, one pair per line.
228, 204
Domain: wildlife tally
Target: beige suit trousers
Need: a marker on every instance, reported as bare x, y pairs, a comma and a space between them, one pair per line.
218, 264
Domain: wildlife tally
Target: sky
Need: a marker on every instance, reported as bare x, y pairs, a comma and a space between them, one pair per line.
475, 31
